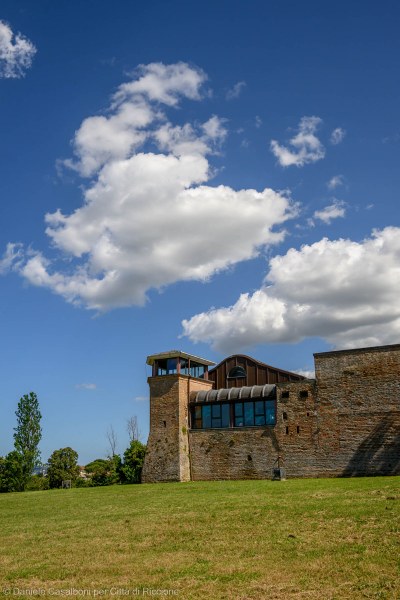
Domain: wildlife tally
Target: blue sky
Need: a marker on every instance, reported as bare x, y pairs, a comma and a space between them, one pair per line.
218, 177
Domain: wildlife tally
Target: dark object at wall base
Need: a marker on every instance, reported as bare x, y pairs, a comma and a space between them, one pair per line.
278, 474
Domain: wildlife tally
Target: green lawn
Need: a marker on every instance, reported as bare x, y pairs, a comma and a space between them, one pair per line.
336, 538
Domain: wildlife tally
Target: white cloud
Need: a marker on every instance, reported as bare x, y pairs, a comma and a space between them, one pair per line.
343, 291
335, 210
141, 398
258, 122
86, 386
134, 109
149, 218
16, 53
306, 147
335, 181
236, 90
308, 373
163, 83
12, 258
337, 136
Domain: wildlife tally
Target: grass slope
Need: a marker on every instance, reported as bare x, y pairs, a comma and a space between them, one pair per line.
336, 538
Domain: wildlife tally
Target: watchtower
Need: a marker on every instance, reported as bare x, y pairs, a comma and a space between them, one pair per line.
175, 375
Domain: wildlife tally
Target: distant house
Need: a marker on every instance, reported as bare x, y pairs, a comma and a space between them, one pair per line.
40, 470
83, 473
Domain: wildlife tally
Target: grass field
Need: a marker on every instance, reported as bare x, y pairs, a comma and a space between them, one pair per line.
337, 538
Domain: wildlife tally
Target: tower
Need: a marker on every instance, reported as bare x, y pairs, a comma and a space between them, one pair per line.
175, 375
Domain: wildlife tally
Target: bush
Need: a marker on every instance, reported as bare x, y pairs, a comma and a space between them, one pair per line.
83, 483
37, 483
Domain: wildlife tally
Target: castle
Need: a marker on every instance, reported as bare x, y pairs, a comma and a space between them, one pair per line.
243, 419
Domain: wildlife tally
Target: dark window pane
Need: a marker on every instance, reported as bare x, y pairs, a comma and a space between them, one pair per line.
216, 411
161, 367
259, 407
260, 420
248, 413
225, 415
239, 422
197, 412
196, 370
216, 423
239, 409
237, 372
270, 412
184, 366
206, 416
171, 365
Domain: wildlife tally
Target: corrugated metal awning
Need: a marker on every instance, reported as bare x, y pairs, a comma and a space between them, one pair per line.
229, 394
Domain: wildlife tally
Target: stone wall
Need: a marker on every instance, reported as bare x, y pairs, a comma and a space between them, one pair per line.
361, 390
252, 452
345, 423
167, 456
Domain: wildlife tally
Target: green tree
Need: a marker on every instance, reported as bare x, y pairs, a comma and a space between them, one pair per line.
63, 465
27, 434
12, 473
133, 462
104, 471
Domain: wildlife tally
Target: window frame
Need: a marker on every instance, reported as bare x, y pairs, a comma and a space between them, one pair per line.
242, 414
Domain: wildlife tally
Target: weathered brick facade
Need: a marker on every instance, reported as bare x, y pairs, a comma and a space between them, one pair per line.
346, 422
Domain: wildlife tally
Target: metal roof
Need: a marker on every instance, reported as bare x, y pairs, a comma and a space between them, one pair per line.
234, 393
175, 354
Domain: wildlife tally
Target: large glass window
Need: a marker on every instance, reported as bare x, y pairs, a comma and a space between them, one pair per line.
167, 366
257, 413
196, 369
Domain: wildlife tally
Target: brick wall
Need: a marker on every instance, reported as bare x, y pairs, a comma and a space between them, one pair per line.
167, 456
361, 390
347, 422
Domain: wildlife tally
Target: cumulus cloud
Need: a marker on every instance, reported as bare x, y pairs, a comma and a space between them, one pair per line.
343, 291
16, 53
337, 136
305, 146
335, 181
236, 90
149, 217
333, 211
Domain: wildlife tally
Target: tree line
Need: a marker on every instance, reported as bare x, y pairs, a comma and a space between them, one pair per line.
17, 469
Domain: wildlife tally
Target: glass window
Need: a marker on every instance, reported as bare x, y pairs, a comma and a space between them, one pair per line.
236, 372
226, 418
184, 366
239, 409
161, 367
259, 407
256, 413
206, 417
171, 366
239, 421
270, 412
216, 415
249, 413
196, 369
